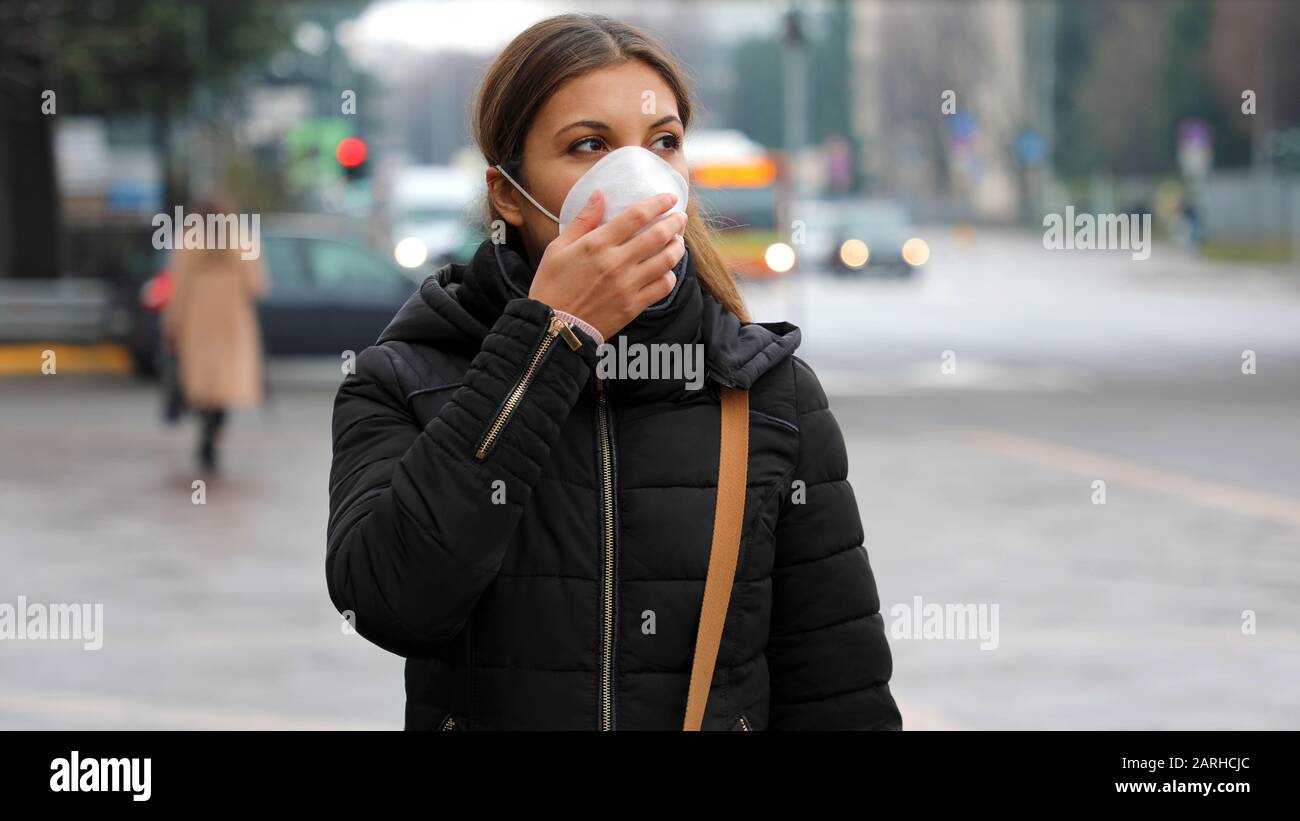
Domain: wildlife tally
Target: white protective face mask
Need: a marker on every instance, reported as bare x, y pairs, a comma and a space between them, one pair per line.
626, 175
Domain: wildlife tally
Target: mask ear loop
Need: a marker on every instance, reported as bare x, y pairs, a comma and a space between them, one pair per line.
521, 190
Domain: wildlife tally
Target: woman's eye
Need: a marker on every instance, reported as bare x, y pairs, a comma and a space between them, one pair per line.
671, 142
588, 145
594, 142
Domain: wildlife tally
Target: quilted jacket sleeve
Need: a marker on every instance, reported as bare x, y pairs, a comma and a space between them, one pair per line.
417, 528
827, 654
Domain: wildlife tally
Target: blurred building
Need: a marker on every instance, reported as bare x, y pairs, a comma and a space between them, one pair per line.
940, 94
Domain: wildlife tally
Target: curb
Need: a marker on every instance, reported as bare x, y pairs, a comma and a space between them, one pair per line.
45, 358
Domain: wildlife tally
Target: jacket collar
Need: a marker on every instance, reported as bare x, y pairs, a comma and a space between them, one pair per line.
460, 302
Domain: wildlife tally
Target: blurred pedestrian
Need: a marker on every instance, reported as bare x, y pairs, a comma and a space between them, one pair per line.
211, 323
1191, 221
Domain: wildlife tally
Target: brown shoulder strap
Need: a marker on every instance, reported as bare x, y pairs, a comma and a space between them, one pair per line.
733, 465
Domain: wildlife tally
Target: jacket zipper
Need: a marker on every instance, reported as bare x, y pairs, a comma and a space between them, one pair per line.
449, 723
556, 328
744, 725
607, 591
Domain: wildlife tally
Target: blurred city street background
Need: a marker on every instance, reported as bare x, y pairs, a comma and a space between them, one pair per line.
984, 381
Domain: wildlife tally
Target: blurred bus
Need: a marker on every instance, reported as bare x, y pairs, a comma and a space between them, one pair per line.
738, 186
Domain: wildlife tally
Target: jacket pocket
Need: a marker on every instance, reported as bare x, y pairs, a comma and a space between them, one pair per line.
450, 723
742, 723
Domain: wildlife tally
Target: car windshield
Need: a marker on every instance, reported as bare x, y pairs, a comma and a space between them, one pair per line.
880, 217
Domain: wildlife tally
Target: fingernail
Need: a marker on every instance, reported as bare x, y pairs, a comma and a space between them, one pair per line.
595, 195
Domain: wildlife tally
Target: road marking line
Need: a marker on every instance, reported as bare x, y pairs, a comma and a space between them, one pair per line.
1282, 509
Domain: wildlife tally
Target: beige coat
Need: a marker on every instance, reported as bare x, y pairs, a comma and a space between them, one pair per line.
212, 318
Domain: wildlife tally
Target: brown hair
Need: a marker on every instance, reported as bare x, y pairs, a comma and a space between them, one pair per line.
214, 205
549, 53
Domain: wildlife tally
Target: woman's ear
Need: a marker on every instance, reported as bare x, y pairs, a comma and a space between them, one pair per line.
503, 198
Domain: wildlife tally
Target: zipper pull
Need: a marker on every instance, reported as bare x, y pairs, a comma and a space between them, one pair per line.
559, 326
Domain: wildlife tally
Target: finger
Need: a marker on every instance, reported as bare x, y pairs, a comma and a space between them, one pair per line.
658, 288
638, 215
646, 272
587, 220
653, 239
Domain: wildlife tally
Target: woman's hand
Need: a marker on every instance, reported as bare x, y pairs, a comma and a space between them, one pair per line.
603, 274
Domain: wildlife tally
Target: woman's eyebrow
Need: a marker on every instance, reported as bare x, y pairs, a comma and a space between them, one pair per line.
597, 125
671, 118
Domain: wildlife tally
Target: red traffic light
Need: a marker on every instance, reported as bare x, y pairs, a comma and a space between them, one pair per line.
351, 152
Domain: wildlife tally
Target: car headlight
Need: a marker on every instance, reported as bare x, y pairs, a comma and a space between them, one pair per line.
854, 253
915, 252
411, 252
779, 257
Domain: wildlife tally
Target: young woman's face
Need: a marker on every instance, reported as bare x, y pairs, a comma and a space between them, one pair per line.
586, 118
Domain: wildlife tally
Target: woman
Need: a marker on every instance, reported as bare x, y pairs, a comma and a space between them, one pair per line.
211, 322
534, 537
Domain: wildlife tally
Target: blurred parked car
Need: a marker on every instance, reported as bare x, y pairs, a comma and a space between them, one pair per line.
82, 304
329, 292
860, 236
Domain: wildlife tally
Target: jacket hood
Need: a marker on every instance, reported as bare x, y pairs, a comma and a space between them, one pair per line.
457, 305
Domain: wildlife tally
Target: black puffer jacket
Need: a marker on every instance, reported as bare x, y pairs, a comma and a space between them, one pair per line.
556, 582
